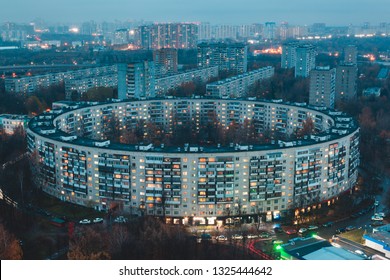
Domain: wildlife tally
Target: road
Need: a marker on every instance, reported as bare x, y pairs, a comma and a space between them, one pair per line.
3, 196
353, 246
10, 162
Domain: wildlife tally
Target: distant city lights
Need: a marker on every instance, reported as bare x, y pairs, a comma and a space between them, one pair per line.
74, 30
371, 57
277, 50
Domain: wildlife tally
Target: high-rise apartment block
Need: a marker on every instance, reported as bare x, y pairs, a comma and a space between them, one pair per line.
136, 80
346, 82
322, 87
350, 55
228, 57
302, 57
224, 31
168, 35
305, 60
270, 31
121, 36
165, 61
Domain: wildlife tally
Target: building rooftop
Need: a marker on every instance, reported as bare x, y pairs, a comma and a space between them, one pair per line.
14, 117
227, 80
315, 248
380, 235
332, 253
43, 124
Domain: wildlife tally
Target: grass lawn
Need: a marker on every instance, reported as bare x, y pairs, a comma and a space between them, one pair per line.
354, 235
60, 208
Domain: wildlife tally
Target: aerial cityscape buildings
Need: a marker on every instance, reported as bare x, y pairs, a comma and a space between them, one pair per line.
194, 139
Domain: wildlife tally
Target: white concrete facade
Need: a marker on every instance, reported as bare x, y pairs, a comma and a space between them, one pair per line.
195, 181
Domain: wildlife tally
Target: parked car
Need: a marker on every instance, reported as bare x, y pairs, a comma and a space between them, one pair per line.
302, 230
251, 236
98, 220
278, 229
264, 235
221, 238
349, 228
85, 222
205, 237
237, 237
312, 227
361, 253
291, 231
328, 224
277, 242
376, 217
340, 230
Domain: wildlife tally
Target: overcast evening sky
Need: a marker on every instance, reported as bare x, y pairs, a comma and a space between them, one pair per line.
331, 12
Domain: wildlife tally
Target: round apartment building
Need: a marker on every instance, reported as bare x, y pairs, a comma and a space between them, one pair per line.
195, 182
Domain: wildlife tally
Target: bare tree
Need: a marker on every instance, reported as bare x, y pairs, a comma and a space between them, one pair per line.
119, 236
88, 244
9, 246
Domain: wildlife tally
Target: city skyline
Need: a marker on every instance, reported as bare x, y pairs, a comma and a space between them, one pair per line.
216, 12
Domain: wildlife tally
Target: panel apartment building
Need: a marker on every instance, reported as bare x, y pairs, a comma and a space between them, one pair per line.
346, 82
228, 57
166, 61
75, 80
302, 57
168, 35
163, 85
322, 87
238, 86
136, 80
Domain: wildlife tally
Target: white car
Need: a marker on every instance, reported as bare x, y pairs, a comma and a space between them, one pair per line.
237, 237
98, 220
252, 236
312, 227
302, 230
85, 222
361, 253
376, 218
221, 238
